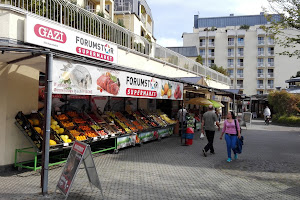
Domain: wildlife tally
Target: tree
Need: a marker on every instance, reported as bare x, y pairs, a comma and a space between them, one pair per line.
221, 69
289, 10
297, 75
245, 27
199, 59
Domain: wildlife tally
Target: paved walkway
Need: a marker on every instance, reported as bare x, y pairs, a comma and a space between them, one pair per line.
269, 168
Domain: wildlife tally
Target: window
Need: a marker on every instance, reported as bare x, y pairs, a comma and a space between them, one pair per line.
260, 51
260, 84
240, 73
260, 92
261, 40
211, 52
202, 42
260, 73
240, 52
240, 62
230, 62
230, 72
239, 83
240, 41
271, 51
107, 8
270, 40
211, 42
270, 73
89, 5
231, 82
202, 52
270, 83
260, 62
211, 62
230, 41
270, 62
230, 52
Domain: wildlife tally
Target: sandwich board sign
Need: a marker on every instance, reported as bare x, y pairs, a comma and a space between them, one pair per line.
79, 153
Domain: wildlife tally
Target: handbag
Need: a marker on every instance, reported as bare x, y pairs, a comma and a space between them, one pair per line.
201, 136
239, 141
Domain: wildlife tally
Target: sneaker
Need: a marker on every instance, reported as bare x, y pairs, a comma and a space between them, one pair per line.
235, 156
204, 153
229, 160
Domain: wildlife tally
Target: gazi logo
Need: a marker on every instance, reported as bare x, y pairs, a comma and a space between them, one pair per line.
50, 33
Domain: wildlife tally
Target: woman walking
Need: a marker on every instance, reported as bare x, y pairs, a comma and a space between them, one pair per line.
232, 131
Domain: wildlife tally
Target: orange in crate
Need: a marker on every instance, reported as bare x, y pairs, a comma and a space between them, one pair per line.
72, 114
91, 134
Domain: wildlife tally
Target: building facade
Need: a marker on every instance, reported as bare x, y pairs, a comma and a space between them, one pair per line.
240, 44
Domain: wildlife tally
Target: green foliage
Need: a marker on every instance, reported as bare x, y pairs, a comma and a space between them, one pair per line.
121, 23
199, 59
286, 120
213, 28
290, 19
284, 103
221, 69
101, 14
244, 27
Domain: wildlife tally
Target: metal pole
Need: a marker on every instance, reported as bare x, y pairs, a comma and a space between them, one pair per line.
45, 154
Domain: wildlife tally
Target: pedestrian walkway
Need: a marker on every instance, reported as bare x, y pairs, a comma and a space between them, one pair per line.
267, 169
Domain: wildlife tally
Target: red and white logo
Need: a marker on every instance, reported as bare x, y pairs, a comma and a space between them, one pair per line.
50, 33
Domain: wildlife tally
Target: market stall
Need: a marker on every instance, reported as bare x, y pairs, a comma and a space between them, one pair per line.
99, 106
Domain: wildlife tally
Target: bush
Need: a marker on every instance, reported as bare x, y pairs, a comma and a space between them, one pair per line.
286, 120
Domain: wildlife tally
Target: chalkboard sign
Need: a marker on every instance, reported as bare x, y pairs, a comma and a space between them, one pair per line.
247, 118
80, 152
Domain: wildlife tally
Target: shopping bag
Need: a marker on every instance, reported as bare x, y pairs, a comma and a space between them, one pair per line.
201, 136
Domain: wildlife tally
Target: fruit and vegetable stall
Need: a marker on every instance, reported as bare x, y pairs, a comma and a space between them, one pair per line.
102, 124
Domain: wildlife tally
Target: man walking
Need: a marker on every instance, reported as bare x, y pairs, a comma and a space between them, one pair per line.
208, 124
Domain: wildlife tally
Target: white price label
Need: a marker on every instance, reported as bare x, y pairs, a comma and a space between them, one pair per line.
102, 136
113, 135
95, 139
65, 144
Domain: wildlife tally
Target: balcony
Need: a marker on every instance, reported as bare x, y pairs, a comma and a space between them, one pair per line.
260, 86
230, 43
260, 54
240, 54
230, 54
240, 64
230, 65
240, 75
271, 42
149, 27
270, 75
270, 86
202, 55
241, 43
270, 64
239, 86
260, 75
202, 44
211, 44
211, 55
260, 64
231, 75
261, 42
231, 87
271, 53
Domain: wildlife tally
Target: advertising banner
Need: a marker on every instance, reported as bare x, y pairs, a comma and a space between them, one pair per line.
82, 79
57, 36
74, 159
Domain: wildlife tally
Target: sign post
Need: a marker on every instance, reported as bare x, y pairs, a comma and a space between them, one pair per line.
79, 153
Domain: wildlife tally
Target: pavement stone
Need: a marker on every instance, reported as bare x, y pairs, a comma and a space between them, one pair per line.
268, 168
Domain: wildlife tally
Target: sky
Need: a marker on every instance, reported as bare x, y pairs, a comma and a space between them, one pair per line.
174, 17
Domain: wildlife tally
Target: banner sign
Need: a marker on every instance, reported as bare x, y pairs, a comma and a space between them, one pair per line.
81, 79
57, 36
80, 152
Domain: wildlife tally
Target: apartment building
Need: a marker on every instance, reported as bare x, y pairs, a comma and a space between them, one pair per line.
250, 55
136, 16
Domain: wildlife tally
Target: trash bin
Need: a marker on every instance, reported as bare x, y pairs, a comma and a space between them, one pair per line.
189, 136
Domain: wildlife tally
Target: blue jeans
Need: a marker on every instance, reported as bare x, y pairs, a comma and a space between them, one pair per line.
231, 143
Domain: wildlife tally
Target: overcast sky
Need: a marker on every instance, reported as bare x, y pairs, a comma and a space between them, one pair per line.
173, 17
